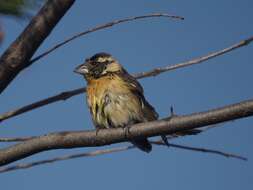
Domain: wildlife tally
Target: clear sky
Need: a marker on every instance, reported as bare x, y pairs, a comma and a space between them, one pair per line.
140, 46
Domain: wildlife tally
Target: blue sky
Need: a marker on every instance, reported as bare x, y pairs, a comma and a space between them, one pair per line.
140, 46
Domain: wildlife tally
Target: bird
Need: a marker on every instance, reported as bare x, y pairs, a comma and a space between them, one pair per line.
115, 98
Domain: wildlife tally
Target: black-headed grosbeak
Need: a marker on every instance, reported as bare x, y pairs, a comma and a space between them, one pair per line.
114, 97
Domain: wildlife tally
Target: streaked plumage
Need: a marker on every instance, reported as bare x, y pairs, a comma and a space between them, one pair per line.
114, 97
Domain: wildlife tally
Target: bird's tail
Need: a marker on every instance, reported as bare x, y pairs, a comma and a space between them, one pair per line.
142, 144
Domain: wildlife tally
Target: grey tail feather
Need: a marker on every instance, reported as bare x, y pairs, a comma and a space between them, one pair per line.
142, 144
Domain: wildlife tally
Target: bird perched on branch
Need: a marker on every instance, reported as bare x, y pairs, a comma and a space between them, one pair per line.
115, 98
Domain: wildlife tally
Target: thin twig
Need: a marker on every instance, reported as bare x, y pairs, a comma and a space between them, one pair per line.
65, 157
112, 150
68, 94
15, 139
103, 26
204, 150
32, 106
199, 60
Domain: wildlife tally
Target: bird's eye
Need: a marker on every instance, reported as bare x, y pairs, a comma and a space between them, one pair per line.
97, 72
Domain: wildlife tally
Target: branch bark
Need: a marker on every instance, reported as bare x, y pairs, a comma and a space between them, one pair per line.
64, 140
17, 56
154, 72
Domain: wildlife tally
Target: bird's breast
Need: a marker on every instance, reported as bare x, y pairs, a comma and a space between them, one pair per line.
111, 103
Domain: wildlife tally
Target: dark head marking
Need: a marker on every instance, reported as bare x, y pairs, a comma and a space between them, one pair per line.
98, 55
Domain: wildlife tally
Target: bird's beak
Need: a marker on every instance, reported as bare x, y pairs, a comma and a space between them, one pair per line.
81, 69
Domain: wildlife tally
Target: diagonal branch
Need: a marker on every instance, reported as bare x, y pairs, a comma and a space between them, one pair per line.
65, 157
68, 94
17, 56
103, 26
112, 150
35, 105
205, 150
64, 140
199, 60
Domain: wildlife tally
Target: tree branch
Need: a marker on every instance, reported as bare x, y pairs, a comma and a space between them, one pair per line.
65, 157
17, 56
52, 99
112, 150
158, 71
103, 26
68, 94
205, 150
64, 140
15, 139
169, 137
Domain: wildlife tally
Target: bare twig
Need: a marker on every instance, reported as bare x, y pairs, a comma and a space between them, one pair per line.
15, 139
68, 94
112, 150
52, 99
199, 60
103, 26
65, 140
65, 157
205, 150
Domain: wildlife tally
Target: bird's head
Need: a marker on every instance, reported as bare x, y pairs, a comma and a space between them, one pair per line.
98, 65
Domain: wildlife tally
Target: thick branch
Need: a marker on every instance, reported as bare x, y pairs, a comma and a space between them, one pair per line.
68, 94
64, 140
17, 56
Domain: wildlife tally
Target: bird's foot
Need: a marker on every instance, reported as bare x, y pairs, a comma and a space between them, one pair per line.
97, 130
127, 131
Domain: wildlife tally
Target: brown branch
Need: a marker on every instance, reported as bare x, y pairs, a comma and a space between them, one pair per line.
17, 56
68, 94
103, 26
112, 150
169, 137
64, 140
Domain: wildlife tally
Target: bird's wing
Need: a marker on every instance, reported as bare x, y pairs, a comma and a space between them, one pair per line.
136, 88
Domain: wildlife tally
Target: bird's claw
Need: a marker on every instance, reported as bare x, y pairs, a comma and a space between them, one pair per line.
97, 130
127, 131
